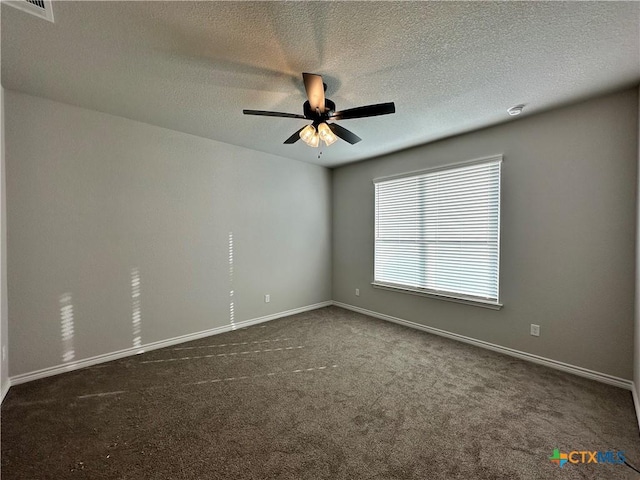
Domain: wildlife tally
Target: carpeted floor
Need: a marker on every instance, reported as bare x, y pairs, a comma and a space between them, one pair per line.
328, 394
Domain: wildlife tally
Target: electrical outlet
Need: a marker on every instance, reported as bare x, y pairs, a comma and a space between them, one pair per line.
357, 292
267, 298
535, 330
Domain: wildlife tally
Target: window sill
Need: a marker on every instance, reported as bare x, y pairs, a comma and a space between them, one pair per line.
440, 296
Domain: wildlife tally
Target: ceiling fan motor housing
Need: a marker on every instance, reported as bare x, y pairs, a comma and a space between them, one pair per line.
329, 108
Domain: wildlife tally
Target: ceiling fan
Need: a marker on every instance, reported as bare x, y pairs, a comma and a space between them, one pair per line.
320, 110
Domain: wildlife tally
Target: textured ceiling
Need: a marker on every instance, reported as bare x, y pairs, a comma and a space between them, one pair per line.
449, 67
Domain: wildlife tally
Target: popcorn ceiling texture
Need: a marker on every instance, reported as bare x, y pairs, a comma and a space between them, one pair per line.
193, 66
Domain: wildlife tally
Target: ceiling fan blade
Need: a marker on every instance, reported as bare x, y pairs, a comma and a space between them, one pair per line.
344, 134
366, 111
315, 90
293, 138
265, 113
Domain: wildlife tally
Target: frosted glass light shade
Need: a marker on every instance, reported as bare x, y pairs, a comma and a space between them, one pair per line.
307, 133
326, 134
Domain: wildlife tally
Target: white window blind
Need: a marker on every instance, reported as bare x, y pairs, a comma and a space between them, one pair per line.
439, 231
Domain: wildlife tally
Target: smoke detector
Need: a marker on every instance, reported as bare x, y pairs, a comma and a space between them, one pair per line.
39, 8
517, 110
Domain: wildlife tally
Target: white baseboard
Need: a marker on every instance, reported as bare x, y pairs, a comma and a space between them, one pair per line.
565, 367
127, 352
4, 390
636, 401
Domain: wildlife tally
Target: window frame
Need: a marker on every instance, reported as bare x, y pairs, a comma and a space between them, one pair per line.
444, 295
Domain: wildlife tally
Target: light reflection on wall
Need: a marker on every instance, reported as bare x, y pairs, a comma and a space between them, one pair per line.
231, 303
136, 307
66, 327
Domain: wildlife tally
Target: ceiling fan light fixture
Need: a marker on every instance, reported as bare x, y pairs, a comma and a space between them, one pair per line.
314, 141
326, 135
307, 133
309, 136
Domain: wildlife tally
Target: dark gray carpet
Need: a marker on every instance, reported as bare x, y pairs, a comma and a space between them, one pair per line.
328, 394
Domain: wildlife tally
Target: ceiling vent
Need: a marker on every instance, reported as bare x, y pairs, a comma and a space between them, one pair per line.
39, 8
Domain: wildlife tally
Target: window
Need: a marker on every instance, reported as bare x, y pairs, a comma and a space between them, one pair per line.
437, 232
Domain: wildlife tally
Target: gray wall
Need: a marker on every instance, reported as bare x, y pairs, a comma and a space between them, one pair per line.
4, 325
636, 349
92, 198
567, 233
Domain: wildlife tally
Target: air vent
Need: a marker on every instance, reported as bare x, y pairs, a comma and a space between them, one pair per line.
39, 8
